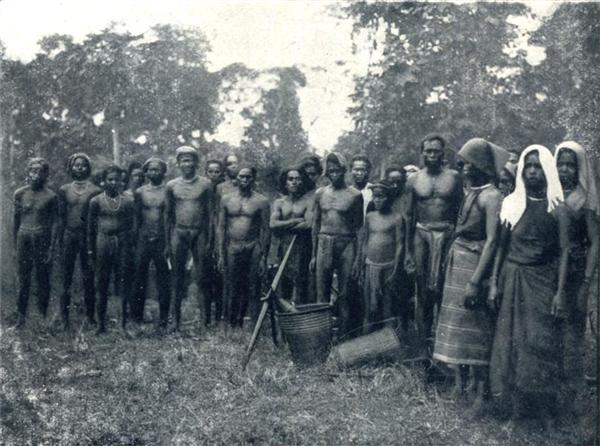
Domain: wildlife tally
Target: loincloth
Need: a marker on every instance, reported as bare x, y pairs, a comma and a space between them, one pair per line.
436, 236
332, 246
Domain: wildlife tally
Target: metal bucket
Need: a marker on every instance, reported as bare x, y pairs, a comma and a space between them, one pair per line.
379, 345
308, 332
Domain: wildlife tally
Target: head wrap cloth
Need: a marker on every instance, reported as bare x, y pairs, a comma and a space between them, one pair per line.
585, 194
485, 156
71, 160
514, 205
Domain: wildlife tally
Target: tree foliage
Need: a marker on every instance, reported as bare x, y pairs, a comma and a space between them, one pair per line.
274, 136
450, 68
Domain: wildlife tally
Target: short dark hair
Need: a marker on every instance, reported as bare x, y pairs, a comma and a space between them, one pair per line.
394, 168
362, 158
214, 161
227, 156
134, 165
306, 183
432, 137
314, 161
41, 161
110, 169
248, 166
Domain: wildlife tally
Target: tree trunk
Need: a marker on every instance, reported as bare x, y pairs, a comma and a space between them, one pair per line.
116, 145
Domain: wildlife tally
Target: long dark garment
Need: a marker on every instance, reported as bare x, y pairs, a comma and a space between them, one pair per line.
526, 353
575, 324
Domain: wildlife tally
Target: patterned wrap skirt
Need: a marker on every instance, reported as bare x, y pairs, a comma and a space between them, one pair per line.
463, 336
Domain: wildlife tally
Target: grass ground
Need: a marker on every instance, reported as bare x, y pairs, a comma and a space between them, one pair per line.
138, 388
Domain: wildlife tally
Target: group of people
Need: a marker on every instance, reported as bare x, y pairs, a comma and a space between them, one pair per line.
492, 260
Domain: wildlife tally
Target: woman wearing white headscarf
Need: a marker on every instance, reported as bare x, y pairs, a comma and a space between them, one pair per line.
581, 199
526, 355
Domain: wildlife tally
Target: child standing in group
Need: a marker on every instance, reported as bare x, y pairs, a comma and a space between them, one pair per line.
378, 257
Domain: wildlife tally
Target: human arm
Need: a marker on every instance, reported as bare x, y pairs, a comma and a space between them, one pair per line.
559, 304
92, 228
591, 258
400, 243
169, 218
265, 235
62, 215
306, 223
221, 237
491, 203
409, 229
316, 227
54, 224
18, 209
503, 242
276, 220
359, 262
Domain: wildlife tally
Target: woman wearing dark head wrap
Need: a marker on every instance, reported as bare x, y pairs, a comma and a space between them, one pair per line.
464, 331
73, 200
581, 200
529, 291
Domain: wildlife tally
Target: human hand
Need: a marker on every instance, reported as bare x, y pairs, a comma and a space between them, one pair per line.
492, 300
471, 299
558, 309
582, 296
221, 262
409, 264
312, 265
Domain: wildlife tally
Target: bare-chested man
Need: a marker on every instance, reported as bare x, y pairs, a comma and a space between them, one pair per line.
244, 239
435, 195
360, 170
151, 230
35, 219
338, 215
110, 239
292, 215
213, 289
231, 163
380, 248
189, 222
73, 201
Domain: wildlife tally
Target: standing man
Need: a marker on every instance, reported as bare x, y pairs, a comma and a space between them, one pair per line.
34, 232
292, 215
110, 227
338, 215
435, 195
231, 163
189, 223
213, 290
360, 170
311, 165
151, 230
244, 239
73, 201
135, 177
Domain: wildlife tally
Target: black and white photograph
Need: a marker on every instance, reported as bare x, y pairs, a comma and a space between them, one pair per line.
299, 222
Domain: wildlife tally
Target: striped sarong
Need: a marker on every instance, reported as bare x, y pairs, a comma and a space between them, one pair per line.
463, 336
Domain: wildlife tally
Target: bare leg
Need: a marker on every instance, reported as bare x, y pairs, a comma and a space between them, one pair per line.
179, 247
104, 268
42, 272
324, 274
69, 256
24, 268
348, 301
